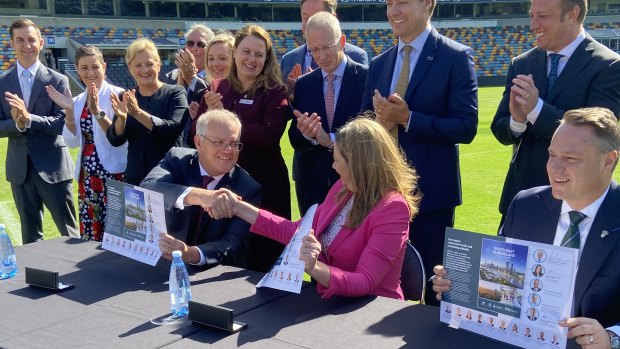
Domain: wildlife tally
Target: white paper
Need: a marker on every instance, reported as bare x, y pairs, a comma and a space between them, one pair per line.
135, 218
287, 273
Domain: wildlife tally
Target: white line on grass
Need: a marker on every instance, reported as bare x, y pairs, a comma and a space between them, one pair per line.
13, 227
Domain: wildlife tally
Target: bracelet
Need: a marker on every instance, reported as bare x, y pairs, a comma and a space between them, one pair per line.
331, 146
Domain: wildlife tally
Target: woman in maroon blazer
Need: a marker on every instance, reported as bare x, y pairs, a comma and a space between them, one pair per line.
254, 91
360, 231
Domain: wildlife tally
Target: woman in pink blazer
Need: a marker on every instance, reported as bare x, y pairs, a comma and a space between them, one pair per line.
359, 232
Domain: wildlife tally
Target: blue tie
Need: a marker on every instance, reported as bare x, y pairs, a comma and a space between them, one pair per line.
571, 239
26, 86
553, 72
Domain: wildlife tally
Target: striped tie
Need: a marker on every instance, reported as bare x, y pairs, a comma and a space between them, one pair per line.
571, 239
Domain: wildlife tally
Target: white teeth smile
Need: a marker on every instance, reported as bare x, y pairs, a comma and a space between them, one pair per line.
397, 21
540, 34
560, 180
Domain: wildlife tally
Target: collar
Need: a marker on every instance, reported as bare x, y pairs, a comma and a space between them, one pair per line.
418, 42
217, 178
589, 210
569, 49
339, 72
33, 68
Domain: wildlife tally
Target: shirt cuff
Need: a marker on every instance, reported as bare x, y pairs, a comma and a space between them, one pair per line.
517, 128
179, 203
26, 126
614, 329
311, 140
203, 260
533, 115
406, 125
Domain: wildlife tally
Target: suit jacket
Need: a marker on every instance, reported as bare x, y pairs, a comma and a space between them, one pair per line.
443, 98
312, 164
194, 95
223, 241
533, 215
298, 56
43, 141
363, 260
591, 78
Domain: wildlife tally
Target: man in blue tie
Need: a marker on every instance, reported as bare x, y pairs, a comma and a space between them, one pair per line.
566, 70
38, 164
578, 210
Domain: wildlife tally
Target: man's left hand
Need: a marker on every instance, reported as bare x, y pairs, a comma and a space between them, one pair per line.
588, 333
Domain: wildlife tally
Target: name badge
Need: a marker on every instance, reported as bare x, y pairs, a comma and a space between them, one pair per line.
246, 101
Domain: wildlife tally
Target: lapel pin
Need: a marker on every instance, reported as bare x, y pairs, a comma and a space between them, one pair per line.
604, 233
429, 58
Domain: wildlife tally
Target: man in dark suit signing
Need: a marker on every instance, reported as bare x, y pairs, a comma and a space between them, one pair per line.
38, 164
299, 61
578, 210
566, 70
190, 180
424, 90
332, 93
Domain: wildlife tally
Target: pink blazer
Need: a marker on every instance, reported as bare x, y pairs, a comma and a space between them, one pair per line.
362, 261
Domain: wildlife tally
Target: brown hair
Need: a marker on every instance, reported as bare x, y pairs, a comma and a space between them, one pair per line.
328, 5
84, 51
568, 5
23, 23
270, 76
377, 166
602, 121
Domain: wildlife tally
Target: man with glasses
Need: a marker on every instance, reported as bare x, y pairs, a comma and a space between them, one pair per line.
191, 179
317, 95
191, 63
299, 61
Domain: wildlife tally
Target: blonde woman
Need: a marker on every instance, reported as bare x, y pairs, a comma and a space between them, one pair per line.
88, 119
219, 56
360, 231
150, 117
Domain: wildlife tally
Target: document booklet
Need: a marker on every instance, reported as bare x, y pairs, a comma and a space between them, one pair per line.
511, 290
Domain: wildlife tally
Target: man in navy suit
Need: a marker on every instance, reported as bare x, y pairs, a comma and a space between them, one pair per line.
582, 157
299, 61
38, 164
424, 90
190, 180
566, 70
332, 93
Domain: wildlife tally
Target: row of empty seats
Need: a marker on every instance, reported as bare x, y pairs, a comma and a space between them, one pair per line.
493, 46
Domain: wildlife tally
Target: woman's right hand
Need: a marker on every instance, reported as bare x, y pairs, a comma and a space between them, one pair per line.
441, 283
62, 100
119, 107
213, 100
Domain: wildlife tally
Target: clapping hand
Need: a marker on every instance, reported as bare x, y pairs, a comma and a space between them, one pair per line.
119, 107
19, 112
64, 101
93, 99
310, 126
523, 97
213, 100
193, 109
187, 66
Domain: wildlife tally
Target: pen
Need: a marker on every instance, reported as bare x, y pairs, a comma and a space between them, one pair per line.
432, 278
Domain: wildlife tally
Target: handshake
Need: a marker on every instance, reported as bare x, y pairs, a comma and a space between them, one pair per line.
220, 203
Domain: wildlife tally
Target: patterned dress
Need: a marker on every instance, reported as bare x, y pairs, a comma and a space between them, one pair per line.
91, 190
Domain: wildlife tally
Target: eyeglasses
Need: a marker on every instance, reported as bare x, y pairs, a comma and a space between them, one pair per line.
325, 49
234, 146
191, 43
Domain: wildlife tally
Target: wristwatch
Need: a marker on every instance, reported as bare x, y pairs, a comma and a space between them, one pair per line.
615, 340
100, 116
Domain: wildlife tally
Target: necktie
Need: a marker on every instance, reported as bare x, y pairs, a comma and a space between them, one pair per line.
553, 72
330, 100
206, 180
402, 83
571, 238
26, 86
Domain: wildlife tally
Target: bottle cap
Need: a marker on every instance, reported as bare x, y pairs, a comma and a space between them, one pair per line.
176, 254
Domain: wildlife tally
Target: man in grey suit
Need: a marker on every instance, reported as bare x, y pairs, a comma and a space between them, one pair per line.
299, 61
578, 210
38, 164
191, 179
567, 70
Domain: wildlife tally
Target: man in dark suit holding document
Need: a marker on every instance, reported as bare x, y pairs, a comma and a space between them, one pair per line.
578, 210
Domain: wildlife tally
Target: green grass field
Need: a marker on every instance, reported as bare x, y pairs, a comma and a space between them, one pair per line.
483, 168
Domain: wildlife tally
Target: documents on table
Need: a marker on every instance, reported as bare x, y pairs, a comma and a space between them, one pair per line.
511, 290
288, 271
135, 217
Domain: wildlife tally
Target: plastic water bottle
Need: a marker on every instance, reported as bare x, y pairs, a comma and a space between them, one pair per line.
180, 293
7, 253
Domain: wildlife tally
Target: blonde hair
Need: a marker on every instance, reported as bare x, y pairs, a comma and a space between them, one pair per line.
223, 37
269, 77
139, 45
377, 167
